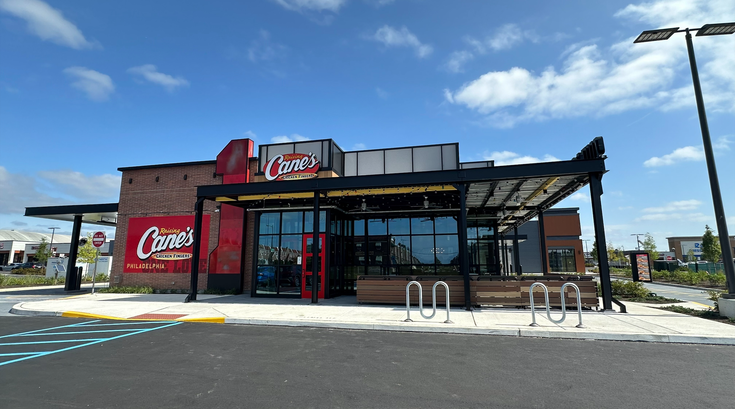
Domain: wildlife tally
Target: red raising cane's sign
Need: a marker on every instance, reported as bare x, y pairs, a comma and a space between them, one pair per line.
163, 244
291, 166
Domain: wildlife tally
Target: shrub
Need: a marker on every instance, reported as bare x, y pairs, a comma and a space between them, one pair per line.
629, 289
26, 281
718, 279
127, 290
30, 271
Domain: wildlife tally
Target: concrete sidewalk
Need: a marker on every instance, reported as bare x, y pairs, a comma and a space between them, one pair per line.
641, 323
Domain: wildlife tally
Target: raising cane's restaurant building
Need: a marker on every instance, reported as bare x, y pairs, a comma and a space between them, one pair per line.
363, 223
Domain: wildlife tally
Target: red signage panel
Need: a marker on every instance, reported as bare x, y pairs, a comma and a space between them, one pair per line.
291, 166
164, 244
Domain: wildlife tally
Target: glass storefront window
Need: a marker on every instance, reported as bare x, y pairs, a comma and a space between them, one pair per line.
377, 227
399, 226
291, 249
422, 249
422, 225
270, 223
400, 250
484, 232
309, 221
447, 249
472, 232
267, 250
359, 228
292, 222
562, 260
445, 225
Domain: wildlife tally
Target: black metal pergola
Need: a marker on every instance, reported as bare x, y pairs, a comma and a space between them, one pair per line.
506, 196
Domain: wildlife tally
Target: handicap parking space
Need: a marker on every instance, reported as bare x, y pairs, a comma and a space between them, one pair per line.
37, 343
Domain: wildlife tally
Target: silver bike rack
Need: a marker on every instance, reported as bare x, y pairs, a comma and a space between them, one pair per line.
421, 301
563, 304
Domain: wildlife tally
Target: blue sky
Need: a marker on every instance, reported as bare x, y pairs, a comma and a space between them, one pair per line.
89, 86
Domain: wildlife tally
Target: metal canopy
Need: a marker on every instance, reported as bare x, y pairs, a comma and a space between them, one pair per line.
508, 195
101, 214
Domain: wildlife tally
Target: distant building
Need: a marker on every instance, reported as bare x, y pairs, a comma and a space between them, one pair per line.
13, 244
681, 246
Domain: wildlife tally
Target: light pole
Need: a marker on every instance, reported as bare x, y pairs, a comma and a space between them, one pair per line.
51, 246
638, 242
705, 30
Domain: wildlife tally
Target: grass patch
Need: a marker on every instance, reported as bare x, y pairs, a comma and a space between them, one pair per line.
650, 299
28, 281
127, 290
708, 314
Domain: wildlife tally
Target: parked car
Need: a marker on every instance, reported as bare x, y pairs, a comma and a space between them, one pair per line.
10, 266
29, 265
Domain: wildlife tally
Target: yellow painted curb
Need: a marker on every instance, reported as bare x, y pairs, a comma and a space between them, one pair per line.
74, 314
703, 305
216, 320
73, 296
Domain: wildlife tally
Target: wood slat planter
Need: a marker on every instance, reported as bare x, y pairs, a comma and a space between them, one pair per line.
497, 291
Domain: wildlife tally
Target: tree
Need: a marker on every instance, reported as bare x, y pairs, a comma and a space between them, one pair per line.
87, 252
649, 245
593, 253
711, 250
43, 252
691, 256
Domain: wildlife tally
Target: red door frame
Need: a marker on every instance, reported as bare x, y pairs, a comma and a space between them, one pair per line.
305, 270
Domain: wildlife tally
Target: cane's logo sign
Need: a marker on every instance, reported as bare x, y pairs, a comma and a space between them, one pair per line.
292, 166
164, 244
155, 242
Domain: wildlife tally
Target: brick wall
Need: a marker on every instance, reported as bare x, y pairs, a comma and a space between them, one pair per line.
142, 196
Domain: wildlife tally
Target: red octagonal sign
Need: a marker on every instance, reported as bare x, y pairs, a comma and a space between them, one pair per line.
98, 239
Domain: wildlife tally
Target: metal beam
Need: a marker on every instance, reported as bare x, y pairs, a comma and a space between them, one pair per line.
71, 283
198, 215
315, 252
464, 260
542, 242
489, 194
595, 195
516, 252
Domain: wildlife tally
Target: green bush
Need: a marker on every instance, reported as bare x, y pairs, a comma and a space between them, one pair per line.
623, 272
127, 290
101, 278
30, 271
718, 279
629, 289
28, 281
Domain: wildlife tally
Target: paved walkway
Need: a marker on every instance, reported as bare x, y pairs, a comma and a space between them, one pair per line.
641, 323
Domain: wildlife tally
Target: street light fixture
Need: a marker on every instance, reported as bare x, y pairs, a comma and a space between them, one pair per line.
51, 246
705, 30
638, 242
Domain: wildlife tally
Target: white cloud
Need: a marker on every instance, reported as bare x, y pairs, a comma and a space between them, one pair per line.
511, 158
47, 23
264, 49
456, 60
686, 154
249, 134
600, 81
311, 5
359, 147
392, 37
382, 93
82, 187
150, 73
677, 206
52, 187
688, 217
285, 138
96, 85
580, 197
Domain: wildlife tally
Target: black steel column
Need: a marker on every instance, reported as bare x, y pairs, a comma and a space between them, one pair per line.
516, 252
496, 249
315, 250
464, 260
198, 215
596, 195
542, 240
713, 180
71, 283
505, 255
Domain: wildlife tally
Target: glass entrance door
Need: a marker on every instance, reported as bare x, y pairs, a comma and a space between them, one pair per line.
309, 251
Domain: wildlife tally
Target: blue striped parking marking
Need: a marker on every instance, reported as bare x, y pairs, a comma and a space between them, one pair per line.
79, 328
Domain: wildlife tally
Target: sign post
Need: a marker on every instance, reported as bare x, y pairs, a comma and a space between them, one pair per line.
98, 240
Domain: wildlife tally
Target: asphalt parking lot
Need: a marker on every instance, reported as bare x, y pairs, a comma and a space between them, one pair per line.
225, 366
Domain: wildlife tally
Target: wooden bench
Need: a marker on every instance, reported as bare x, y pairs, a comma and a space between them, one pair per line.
392, 290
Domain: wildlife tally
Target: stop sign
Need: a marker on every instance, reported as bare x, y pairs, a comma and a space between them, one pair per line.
98, 239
